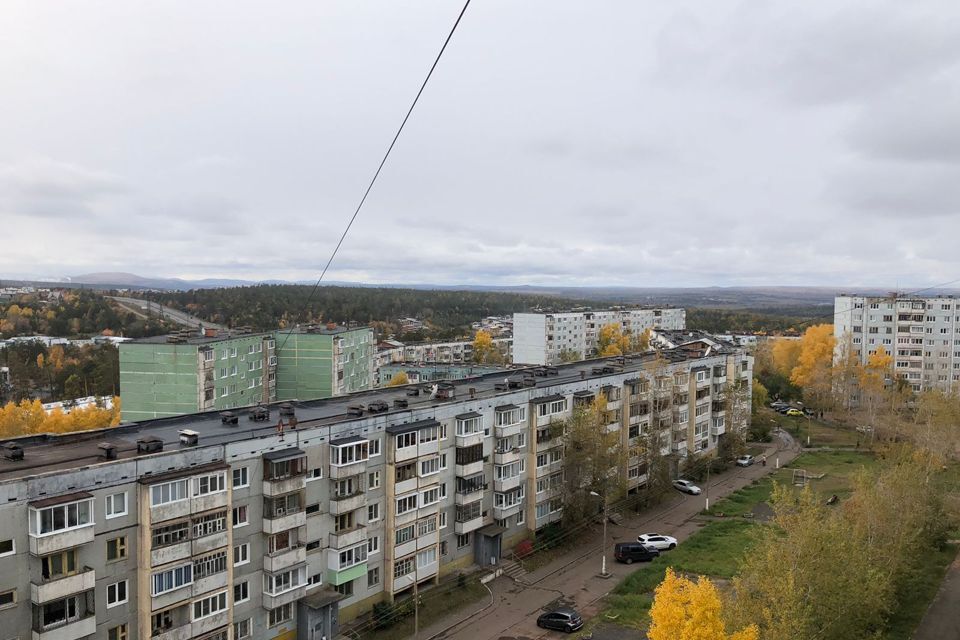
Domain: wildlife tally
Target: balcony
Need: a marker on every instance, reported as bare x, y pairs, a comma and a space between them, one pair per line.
272, 601
339, 472
62, 587
469, 468
182, 632
506, 484
470, 439
466, 497
170, 553
53, 542
680, 447
718, 429
68, 631
210, 542
344, 504
337, 577
467, 526
507, 431
278, 523
348, 537
501, 513
549, 468
508, 456
210, 623
284, 485
280, 560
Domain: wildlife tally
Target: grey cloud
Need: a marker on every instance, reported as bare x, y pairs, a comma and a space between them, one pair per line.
901, 190
45, 188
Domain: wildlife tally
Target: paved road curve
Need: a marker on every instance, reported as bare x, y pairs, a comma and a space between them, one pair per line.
144, 308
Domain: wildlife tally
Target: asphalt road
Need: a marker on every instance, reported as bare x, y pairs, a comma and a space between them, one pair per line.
146, 307
942, 620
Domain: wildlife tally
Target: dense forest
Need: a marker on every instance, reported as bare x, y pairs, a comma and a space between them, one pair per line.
791, 322
60, 371
447, 314
72, 314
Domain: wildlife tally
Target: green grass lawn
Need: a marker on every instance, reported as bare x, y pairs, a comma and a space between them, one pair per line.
917, 597
436, 604
715, 550
821, 434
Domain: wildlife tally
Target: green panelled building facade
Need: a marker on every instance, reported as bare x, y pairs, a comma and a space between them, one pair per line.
190, 372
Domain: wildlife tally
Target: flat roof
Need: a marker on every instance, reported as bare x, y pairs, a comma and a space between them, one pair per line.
340, 442
44, 453
290, 453
197, 339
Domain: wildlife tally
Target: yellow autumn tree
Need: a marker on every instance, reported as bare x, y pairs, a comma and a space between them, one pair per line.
483, 348
28, 417
611, 341
784, 353
399, 378
687, 610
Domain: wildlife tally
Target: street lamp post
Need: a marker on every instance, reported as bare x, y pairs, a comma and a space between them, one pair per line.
603, 548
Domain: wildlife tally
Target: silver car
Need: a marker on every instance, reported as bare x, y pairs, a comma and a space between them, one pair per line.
686, 486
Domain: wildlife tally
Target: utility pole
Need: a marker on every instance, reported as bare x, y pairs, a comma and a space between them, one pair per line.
603, 547
706, 489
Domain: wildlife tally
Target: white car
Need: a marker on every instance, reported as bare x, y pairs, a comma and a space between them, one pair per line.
744, 461
686, 486
657, 541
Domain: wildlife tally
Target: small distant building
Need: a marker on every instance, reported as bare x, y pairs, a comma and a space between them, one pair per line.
417, 373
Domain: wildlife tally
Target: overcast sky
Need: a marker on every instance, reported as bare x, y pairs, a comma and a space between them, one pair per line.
592, 142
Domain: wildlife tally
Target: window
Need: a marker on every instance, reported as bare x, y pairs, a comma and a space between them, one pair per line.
7, 547
373, 480
374, 448
116, 593
62, 517
240, 517
283, 582
241, 478
312, 546
117, 633
209, 606
212, 483
171, 579
59, 565
241, 592
429, 497
426, 527
373, 577
313, 508
280, 615
373, 512
430, 466
373, 545
315, 580
315, 474
352, 556
117, 548
243, 629
241, 554
345, 589
444, 548
8, 598
210, 565
426, 557
403, 567
348, 454
463, 541
405, 534
171, 534
443, 519
406, 440
406, 503
210, 524
116, 505
168, 492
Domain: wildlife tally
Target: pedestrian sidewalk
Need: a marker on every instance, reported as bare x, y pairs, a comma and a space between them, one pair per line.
574, 580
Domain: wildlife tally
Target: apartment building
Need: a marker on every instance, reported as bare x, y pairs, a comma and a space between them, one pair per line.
543, 338
417, 373
205, 528
456, 352
190, 372
921, 333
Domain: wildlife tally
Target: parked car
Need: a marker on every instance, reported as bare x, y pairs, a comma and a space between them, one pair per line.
776, 404
563, 619
744, 461
794, 412
686, 486
377, 406
630, 552
657, 541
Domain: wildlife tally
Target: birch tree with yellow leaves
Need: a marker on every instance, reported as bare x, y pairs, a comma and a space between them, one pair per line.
687, 610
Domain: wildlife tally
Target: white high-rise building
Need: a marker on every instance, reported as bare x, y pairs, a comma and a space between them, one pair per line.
921, 333
542, 338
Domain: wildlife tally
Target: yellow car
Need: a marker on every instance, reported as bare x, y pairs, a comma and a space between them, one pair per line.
794, 412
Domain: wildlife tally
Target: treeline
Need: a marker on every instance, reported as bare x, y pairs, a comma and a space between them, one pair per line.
28, 417
789, 322
59, 372
446, 313
69, 313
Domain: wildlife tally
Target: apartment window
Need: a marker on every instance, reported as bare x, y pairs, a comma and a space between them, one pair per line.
280, 615
315, 474
241, 592
373, 480
373, 512
374, 448
171, 579
406, 440
241, 554
352, 556
403, 567
241, 478
117, 633
345, 589
116, 505
348, 454
442, 519
210, 524
280, 541
430, 497
210, 565
8, 598
62, 517
286, 581
117, 548
243, 629
430, 466
463, 540
426, 527
168, 492
59, 565
116, 593
405, 504
7, 547
240, 517
210, 606
312, 508
343, 522
373, 545
426, 557
212, 483
312, 546
373, 577
444, 548
405, 534
171, 534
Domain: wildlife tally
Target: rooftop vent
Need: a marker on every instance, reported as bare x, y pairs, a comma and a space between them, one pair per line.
286, 410
259, 414
227, 417
12, 451
108, 451
149, 444
189, 438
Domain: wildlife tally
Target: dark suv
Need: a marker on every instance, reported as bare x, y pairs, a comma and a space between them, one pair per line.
563, 619
630, 552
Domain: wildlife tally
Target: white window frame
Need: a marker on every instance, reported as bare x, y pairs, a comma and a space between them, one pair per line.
36, 518
116, 593
246, 515
242, 584
215, 598
244, 478
109, 504
13, 548
185, 493
213, 479
244, 551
